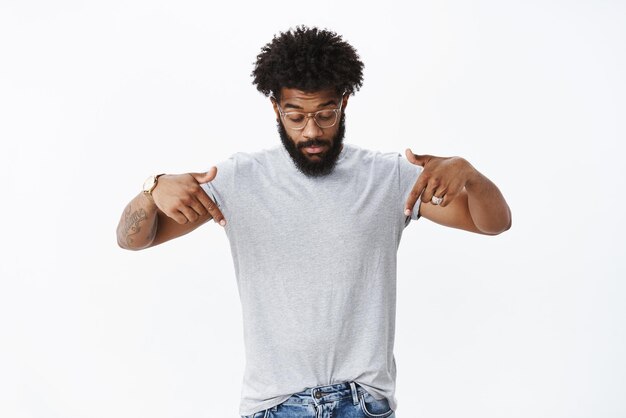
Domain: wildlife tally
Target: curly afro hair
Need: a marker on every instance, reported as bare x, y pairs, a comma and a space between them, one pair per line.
308, 59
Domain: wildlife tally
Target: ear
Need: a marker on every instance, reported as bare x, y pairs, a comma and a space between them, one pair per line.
345, 101
275, 108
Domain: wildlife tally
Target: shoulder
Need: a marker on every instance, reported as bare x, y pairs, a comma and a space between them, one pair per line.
241, 169
384, 163
360, 155
252, 160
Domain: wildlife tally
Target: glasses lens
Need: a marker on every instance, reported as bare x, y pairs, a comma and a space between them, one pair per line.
326, 118
295, 120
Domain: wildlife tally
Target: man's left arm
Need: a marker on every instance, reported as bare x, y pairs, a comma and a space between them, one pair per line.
453, 193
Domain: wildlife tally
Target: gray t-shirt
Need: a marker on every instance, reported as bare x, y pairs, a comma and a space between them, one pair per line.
315, 261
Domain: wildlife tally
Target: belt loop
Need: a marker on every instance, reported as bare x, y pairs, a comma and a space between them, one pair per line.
355, 394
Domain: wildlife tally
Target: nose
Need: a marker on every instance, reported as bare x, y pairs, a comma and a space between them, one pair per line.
311, 130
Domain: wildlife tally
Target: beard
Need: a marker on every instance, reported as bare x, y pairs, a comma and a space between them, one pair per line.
328, 159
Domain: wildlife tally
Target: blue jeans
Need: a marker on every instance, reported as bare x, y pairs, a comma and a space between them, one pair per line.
342, 400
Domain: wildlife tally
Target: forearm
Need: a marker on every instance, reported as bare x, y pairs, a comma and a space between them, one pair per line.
138, 223
488, 209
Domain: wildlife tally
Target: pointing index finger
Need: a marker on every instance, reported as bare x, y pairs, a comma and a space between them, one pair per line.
211, 207
416, 192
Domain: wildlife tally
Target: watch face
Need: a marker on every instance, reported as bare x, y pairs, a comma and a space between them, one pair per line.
147, 185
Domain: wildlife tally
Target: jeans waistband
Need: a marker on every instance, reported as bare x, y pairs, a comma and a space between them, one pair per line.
328, 393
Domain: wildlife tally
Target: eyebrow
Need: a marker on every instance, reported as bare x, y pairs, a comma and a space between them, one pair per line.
293, 106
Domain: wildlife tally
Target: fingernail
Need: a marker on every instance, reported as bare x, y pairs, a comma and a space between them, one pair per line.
407, 212
222, 222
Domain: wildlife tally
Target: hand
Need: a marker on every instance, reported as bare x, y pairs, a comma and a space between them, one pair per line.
441, 177
181, 198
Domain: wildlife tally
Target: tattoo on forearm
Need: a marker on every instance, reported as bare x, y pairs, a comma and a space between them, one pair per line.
131, 223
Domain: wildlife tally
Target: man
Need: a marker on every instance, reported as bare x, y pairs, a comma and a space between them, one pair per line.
314, 227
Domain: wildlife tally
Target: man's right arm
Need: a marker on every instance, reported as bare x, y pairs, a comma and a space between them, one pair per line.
178, 205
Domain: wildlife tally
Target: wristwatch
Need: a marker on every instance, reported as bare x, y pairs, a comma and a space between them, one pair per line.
150, 184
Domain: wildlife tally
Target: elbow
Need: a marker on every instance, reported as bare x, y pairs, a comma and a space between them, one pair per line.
503, 226
508, 226
510, 221
127, 244
123, 245
130, 248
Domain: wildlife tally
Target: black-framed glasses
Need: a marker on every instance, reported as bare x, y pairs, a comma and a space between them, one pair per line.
325, 118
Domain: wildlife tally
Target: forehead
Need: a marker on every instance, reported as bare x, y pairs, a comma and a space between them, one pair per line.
307, 99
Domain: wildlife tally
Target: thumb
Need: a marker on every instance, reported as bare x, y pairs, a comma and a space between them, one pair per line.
205, 177
417, 159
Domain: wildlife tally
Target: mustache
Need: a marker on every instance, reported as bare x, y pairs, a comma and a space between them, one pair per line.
314, 143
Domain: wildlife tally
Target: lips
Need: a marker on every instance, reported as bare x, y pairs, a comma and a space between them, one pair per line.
316, 149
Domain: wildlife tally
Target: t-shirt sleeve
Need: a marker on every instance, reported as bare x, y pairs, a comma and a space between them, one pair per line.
220, 189
409, 174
